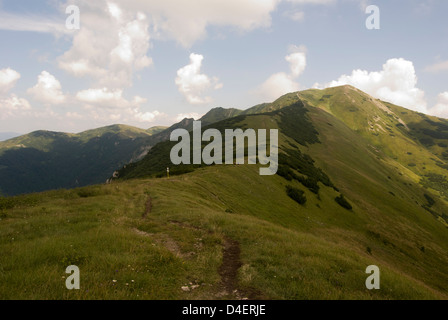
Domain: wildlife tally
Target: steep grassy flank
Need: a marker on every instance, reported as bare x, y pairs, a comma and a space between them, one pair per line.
289, 116
219, 114
412, 143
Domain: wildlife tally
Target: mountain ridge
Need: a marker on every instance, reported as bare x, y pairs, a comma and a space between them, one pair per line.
345, 197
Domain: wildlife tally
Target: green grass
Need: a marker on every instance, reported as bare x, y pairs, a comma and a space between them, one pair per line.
288, 251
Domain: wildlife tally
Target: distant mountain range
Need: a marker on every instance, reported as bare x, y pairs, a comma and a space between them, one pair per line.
45, 160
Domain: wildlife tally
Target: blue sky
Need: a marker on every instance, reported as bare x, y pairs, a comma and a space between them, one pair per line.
147, 63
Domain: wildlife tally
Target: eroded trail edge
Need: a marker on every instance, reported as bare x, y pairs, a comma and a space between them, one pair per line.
231, 263
148, 207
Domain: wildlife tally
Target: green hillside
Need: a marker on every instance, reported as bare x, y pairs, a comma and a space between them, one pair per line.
346, 196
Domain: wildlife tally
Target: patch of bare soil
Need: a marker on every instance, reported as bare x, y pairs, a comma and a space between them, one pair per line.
228, 271
148, 207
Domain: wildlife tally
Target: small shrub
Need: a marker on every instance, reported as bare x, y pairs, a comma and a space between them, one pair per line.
3, 215
87, 193
284, 172
343, 202
430, 200
296, 194
427, 142
6, 203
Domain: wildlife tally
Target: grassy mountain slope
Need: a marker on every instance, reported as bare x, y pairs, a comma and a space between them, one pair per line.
414, 144
155, 236
287, 251
218, 114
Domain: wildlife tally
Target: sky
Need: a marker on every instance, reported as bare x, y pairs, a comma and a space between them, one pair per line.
148, 63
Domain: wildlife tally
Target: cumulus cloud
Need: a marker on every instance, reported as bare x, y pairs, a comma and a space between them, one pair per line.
281, 83
187, 21
107, 98
297, 63
110, 46
441, 108
10, 104
115, 37
277, 85
180, 20
47, 90
148, 117
192, 83
13, 106
395, 83
105, 105
8, 79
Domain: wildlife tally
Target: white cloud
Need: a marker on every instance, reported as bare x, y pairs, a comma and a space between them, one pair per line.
187, 21
441, 108
277, 85
105, 105
147, 116
183, 21
297, 63
8, 79
48, 89
107, 98
111, 45
395, 83
191, 83
131, 115
13, 106
114, 38
10, 104
281, 83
